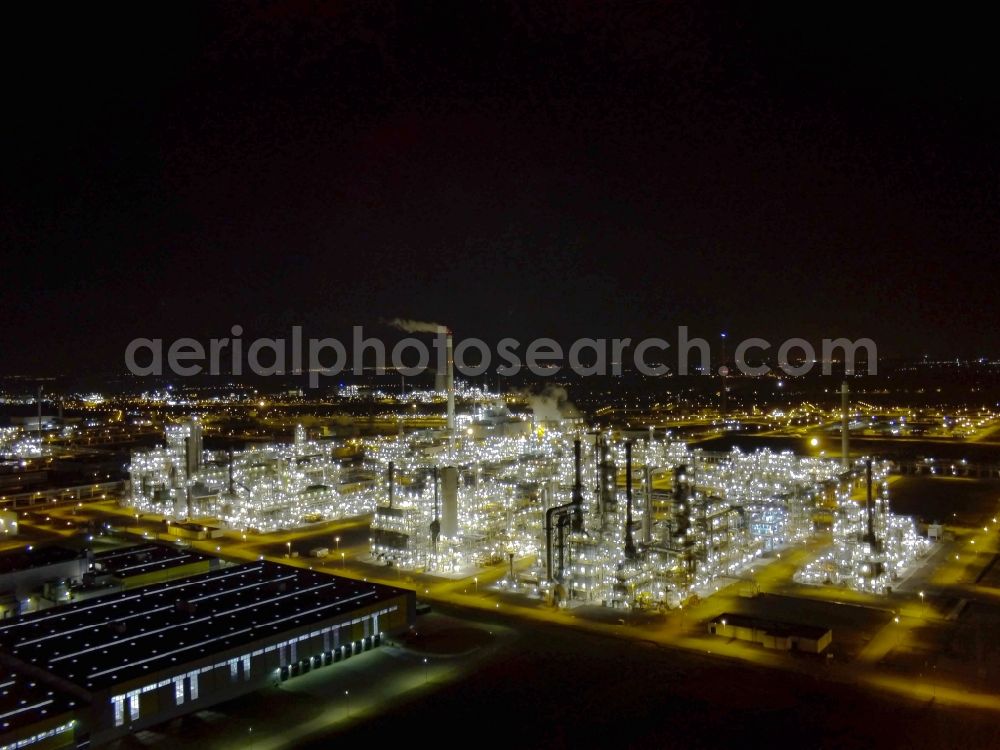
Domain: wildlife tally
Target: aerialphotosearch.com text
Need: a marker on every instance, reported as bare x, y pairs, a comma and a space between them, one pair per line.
544, 357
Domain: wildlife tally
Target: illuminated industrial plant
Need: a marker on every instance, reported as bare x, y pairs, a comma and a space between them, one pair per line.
18, 443
589, 517
599, 519
871, 547
605, 520
265, 487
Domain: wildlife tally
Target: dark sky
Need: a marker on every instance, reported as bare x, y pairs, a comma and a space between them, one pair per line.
522, 169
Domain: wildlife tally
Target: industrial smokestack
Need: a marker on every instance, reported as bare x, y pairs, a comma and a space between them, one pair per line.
558, 517
444, 379
436, 523
647, 528
870, 505
577, 486
577, 476
845, 429
392, 481
450, 382
629, 541
193, 448
607, 489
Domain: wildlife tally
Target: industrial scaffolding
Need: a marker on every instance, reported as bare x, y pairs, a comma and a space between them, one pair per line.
871, 548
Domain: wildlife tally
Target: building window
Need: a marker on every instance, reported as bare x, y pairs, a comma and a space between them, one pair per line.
38, 737
179, 691
119, 703
234, 669
246, 667
133, 706
193, 679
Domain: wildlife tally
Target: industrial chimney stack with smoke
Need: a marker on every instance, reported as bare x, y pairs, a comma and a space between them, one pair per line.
419, 326
450, 377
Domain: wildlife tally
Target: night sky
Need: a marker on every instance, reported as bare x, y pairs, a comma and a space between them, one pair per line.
512, 169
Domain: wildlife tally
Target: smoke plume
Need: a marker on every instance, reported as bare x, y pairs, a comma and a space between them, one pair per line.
416, 326
551, 404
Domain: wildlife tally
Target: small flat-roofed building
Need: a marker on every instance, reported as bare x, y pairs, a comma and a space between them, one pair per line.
147, 655
34, 714
144, 564
195, 531
783, 636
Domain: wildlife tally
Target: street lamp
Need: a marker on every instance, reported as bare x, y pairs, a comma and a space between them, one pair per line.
425, 670
347, 696
923, 606
337, 540
476, 579
343, 562
289, 545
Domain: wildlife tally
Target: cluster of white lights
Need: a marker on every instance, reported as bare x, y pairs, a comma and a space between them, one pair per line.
701, 518
863, 558
18, 443
265, 487
738, 507
463, 390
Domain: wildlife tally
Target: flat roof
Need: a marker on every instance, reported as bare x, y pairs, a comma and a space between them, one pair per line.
110, 639
25, 701
771, 627
36, 557
190, 526
145, 558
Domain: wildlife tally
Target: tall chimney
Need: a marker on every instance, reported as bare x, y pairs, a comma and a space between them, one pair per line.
577, 524
392, 481
577, 475
629, 541
450, 384
871, 505
436, 523
647, 528
845, 429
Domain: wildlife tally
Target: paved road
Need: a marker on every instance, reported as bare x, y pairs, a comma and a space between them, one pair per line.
680, 629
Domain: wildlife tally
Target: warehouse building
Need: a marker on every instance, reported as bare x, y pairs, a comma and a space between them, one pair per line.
143, 656
34, 714
781, 636
45, 576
